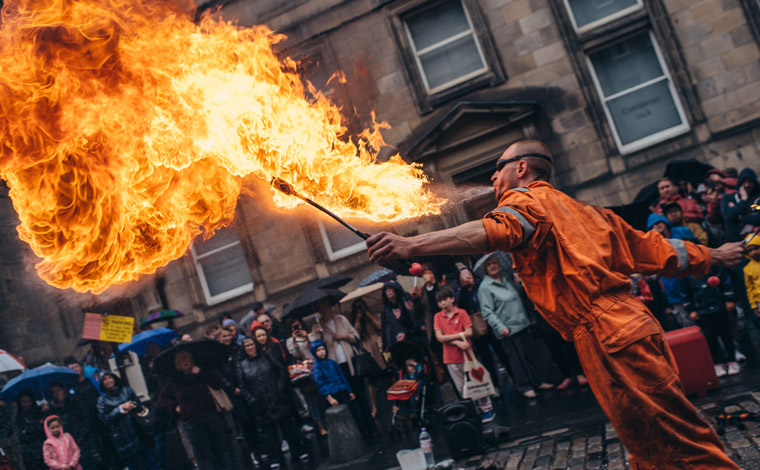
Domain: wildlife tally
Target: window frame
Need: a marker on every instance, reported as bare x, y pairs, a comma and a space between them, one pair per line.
358, 247
226, 295
651, 139
602, 21
425, 100
417, 53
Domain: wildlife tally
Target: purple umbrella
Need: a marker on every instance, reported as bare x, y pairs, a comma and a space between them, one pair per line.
161, 315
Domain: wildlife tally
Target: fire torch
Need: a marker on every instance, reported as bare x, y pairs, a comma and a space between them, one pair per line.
398, 266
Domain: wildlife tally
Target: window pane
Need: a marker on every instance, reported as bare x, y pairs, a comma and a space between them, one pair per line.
340, 237
588, 11
451, 61
644, 112
626, 64
225, 270
436, 24
221, 237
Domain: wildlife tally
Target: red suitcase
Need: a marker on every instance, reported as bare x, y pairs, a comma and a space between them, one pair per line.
695, 364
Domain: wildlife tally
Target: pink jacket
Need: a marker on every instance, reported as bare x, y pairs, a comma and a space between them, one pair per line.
62, 452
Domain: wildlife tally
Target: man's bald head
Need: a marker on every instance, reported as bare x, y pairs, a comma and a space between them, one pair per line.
538, 167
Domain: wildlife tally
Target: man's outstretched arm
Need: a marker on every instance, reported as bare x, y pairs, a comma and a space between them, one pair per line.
466, 239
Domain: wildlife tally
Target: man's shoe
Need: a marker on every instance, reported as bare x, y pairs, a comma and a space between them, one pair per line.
565, 384
733, 368
487, 417
720, 370
739, 356
285, 447
530, 394
582, 380
545, 386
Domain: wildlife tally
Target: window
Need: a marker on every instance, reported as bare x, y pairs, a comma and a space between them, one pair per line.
444, 44
341, 242
588, 14
221, 266
445, 48
637, 92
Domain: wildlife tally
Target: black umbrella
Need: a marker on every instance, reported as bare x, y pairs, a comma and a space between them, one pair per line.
403, 350
635, 214
332, 282
648, 194
306, 303
206, 353
690, 170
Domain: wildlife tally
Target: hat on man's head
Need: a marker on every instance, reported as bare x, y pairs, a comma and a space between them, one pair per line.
716, 171
670, 206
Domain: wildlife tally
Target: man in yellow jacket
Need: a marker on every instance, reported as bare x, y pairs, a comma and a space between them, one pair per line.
752, 273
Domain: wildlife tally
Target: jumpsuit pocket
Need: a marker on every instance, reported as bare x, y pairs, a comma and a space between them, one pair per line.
642, 362
633, 352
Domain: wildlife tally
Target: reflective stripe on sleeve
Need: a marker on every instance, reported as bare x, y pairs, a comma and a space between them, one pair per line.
683, 255
520, 190
528, 229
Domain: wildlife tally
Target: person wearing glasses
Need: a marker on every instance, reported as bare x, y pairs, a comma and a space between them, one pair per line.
575, 261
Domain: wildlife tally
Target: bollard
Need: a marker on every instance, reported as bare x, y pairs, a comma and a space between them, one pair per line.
343, 438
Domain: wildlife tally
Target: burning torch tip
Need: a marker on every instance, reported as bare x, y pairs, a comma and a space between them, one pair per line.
282, 186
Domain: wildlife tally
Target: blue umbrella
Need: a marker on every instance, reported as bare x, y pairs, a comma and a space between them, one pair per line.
381, 275
38, 380
140, 341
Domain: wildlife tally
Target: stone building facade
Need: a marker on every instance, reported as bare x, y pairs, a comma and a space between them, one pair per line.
617, 88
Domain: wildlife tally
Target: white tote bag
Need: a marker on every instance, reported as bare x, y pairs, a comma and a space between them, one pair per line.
477, 380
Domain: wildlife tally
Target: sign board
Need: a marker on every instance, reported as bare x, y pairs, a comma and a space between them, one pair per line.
112, 328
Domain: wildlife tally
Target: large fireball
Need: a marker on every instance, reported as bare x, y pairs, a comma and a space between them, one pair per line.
127, 130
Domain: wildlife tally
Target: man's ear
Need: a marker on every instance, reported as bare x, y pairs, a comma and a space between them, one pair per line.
522, 168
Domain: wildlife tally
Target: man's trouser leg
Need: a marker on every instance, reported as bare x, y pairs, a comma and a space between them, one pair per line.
634, 377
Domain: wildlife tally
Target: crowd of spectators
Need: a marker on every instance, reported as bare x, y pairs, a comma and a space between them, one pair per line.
481, 311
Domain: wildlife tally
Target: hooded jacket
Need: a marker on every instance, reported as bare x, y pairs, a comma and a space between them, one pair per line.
397, 317
738, 215
60, 452
679, 233
265, 386
327, 374
240, 336
120, 425
705, 299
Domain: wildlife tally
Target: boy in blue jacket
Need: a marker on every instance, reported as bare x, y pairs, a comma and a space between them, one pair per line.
332, 384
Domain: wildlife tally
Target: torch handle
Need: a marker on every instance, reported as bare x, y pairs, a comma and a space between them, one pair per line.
358, 232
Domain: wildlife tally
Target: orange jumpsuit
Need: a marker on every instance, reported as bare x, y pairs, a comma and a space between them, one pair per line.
574, 260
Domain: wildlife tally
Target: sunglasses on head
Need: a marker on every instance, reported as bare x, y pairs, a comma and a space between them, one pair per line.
500, 163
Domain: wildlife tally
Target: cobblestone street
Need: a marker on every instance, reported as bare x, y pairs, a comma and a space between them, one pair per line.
600, 448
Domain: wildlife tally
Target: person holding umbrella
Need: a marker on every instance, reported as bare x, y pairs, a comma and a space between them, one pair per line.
188, 393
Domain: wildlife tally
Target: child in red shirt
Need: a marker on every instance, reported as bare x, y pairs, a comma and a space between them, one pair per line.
453, 328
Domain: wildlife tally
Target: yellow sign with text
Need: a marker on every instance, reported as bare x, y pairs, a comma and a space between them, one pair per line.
112, 328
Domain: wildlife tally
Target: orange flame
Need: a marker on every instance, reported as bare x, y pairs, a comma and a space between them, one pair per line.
127, 130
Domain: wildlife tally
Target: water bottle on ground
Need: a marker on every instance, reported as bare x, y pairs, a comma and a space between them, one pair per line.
426, 444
